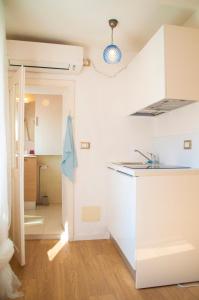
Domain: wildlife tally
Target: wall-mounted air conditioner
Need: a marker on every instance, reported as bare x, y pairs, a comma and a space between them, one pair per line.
44, 57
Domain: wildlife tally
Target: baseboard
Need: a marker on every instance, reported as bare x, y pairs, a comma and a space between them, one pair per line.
104, 236
29, 205
130, 268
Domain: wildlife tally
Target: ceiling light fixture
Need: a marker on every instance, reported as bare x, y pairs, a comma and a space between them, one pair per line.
112, 54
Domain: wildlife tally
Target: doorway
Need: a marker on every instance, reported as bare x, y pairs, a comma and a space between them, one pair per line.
20, 84
42, 165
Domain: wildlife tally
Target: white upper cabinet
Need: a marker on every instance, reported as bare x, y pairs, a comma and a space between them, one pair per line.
48, 125
182, 62
166, 68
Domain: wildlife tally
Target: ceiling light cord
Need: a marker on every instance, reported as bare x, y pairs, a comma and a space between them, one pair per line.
108, 75
112, 35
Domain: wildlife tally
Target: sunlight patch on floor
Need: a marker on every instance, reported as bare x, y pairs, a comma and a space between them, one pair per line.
52, 253
31, 220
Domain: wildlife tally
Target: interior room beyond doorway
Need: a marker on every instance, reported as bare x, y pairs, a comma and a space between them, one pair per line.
42, 159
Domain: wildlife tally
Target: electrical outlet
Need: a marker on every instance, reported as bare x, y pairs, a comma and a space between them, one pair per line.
85, 145
187, 144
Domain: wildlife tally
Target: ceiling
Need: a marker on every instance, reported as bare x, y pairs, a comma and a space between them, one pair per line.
84, 22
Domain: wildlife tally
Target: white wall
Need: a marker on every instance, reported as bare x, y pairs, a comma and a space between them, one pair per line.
99, 102
113, 137
171, 130
2, 54
99, 119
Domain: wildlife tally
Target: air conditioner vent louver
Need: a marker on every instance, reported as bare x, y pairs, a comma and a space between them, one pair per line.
39, 66
45, 57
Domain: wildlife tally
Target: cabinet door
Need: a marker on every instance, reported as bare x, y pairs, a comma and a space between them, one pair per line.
30, 180
182, 63
146, 75
122, 213
48, 125
167, 229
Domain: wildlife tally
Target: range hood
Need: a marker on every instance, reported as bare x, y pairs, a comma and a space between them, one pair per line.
162, 107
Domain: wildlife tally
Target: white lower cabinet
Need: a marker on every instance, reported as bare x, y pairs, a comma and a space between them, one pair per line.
153, 217
122, 212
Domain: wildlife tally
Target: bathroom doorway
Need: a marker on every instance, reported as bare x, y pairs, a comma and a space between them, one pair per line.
43, 134
22, 84
57, 84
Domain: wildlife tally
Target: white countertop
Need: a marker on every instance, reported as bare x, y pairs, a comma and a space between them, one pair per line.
152, 172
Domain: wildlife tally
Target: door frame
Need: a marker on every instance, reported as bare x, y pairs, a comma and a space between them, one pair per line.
66, 88
18, 236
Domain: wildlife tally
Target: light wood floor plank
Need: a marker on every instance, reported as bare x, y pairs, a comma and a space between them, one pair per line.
85, 270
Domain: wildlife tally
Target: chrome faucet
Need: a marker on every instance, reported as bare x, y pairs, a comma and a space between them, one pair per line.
150, 160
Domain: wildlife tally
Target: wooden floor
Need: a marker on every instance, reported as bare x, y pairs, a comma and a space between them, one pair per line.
85, 270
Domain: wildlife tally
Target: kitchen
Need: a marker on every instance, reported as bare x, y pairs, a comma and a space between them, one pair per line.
97, 96
151, 196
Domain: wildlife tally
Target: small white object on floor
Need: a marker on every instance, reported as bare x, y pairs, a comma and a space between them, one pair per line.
187, 285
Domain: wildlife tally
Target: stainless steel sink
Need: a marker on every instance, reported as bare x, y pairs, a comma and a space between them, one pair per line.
129, 163
141, 165
159, 166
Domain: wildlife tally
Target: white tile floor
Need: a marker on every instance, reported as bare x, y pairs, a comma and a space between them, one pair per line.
43, 222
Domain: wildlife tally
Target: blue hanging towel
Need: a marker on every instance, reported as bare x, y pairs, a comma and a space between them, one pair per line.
69, 161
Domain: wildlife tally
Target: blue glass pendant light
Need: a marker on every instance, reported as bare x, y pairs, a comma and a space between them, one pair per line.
112, 54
